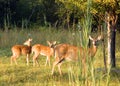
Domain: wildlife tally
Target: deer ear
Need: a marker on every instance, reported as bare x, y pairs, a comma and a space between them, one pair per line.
48, 43
54, 42
90, 37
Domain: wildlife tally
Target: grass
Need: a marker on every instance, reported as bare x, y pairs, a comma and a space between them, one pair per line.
21, 74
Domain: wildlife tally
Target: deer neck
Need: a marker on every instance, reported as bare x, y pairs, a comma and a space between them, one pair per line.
93, 50
52, 50
29, 44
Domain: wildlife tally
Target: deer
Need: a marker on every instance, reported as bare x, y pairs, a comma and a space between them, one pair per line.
69, 52
18, 50
39, 49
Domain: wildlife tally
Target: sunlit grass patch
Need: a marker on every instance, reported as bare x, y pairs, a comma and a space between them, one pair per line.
21, 74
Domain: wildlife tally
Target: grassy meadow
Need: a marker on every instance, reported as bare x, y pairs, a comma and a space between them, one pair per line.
23, 75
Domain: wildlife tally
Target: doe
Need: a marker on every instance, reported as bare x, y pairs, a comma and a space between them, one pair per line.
70, 53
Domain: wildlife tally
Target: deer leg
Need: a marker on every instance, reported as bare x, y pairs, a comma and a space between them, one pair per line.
54, 64
27, 59
59, 65
47, 60
57, 62
35, 60
12, 57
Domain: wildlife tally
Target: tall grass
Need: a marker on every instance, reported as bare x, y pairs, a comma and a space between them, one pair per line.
72, 71
40, 76
89, 77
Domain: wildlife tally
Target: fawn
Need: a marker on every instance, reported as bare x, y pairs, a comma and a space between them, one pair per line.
39, 49
18, 50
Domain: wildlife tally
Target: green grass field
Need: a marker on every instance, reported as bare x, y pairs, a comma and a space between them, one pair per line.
23, 75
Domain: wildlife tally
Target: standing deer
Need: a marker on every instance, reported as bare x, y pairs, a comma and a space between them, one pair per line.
70, 53
25, 49
47, 51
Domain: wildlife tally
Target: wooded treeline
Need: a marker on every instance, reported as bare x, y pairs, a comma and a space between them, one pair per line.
29, 12
55, 13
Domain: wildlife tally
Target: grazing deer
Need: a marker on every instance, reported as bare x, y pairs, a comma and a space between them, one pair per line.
70, 53
47, 51
25, 49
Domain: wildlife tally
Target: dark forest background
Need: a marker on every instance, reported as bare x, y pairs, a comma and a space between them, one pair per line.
31, 13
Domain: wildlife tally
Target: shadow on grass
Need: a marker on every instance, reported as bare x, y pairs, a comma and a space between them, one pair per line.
114, 72
57, 77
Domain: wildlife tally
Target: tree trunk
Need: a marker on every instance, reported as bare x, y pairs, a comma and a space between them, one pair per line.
113, 39
111, 26
109, 43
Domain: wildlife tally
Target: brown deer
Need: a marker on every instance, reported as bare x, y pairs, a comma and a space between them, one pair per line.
70, 53
39, 49
18, 50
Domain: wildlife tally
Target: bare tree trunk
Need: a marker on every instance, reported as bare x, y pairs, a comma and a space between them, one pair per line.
113, 38
68, 20
109, 43
111, 27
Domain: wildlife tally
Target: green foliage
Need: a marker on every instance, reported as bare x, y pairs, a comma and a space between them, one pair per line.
57, 13
31, 11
